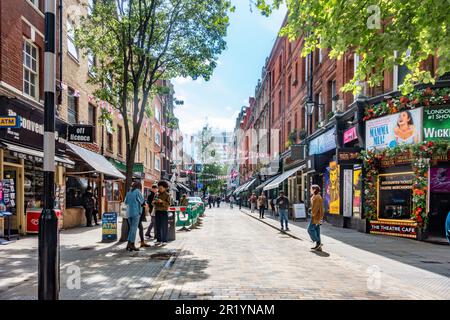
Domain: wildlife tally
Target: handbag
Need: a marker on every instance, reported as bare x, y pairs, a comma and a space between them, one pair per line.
124, 210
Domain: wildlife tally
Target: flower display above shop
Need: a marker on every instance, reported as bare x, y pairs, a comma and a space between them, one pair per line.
418, 98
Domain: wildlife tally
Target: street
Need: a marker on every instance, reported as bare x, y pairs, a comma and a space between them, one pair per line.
234, 255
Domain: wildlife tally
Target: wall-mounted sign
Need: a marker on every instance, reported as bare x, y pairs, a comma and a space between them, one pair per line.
393, 229
323, 143
81, 133
400, 159
440, 180
334, 188
400, 128
436, 123
348, 156
10, 122
31, 130
348, 193
350, 135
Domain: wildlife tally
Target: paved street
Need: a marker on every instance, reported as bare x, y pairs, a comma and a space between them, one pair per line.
234, 255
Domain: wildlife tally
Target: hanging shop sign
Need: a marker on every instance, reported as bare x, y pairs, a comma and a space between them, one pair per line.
10, 122
436, 123
81, 133
31, 130
348, 193
348, 155
350, 135
357, 187
323, 143
334, 189
389, 131
394, 229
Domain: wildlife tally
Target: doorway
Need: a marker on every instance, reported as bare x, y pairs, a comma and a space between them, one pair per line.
439, 209
11, 198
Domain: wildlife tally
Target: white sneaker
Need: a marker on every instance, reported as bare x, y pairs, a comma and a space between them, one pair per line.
157, 243
164, 244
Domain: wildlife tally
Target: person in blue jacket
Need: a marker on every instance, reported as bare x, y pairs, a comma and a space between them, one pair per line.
447, 227
134, 200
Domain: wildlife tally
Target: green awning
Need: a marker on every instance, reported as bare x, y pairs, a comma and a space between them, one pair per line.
137, 168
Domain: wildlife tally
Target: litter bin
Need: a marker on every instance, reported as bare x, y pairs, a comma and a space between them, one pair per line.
172, 222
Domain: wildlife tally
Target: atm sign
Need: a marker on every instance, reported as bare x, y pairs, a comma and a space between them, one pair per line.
10, 122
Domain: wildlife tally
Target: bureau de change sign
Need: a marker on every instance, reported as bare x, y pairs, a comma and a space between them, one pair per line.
81, 133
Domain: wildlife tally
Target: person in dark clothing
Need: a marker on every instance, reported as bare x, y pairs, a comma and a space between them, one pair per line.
240, 202
95, 212
150, 199
141, 228
89, 205
210, 200
218, 201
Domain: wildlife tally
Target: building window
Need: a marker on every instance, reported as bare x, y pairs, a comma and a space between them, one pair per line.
109, 144
157, 138
280, 103
157, 115
289, 88
138, 152
71, 47
332, 95
34, 3
157, 163
91, 63
119, 141
92, 119
72, 107
30, 70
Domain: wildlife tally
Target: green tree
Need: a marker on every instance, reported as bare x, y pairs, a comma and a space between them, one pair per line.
211, 177
137, 43
415, 29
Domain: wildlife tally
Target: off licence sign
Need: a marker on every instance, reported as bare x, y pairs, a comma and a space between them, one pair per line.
81, 133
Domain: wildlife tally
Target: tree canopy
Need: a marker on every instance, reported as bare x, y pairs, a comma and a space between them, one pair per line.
414, 29
137, 43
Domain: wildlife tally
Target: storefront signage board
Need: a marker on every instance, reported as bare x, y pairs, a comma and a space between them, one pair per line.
399, 128
436, 123
348, 155
394, 229
81, 133
350, 135
323, 143
10, 122
109, 227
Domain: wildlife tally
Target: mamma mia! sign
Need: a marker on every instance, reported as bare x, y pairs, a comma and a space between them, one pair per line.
400, 128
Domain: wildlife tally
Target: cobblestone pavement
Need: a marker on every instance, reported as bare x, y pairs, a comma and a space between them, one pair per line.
234, 256
107, 271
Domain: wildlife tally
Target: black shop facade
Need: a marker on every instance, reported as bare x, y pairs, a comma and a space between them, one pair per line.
406, 163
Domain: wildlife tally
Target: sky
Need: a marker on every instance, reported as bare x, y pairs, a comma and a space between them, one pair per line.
217, 102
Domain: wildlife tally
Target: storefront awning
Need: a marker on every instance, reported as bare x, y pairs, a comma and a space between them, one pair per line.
276, 182
265, 183
182, 186
248, 185
242, 187
35, 155
96, 161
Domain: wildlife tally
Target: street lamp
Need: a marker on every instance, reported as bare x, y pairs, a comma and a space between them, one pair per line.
309, 110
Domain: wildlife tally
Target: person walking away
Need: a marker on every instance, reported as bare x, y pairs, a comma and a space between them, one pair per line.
89, 206
231, 199
218, 201
253, 201
282, 202
210, 201
134, 201
316, 217
272, 207
150, 198
162, 203
239, 199
262, 205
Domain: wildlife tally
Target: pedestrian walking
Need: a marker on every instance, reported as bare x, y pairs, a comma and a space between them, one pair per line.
231, 199
262, 205
239, 200
134, 201
272, 207
150, 199
210, 202
282, 202
253, 200
162, 203
89, 206
316, 217
218, 201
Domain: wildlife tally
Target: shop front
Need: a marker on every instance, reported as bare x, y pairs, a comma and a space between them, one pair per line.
21, 166
407, 163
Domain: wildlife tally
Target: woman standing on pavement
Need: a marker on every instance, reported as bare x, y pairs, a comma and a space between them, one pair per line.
162, 203
134, 200
316, 217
